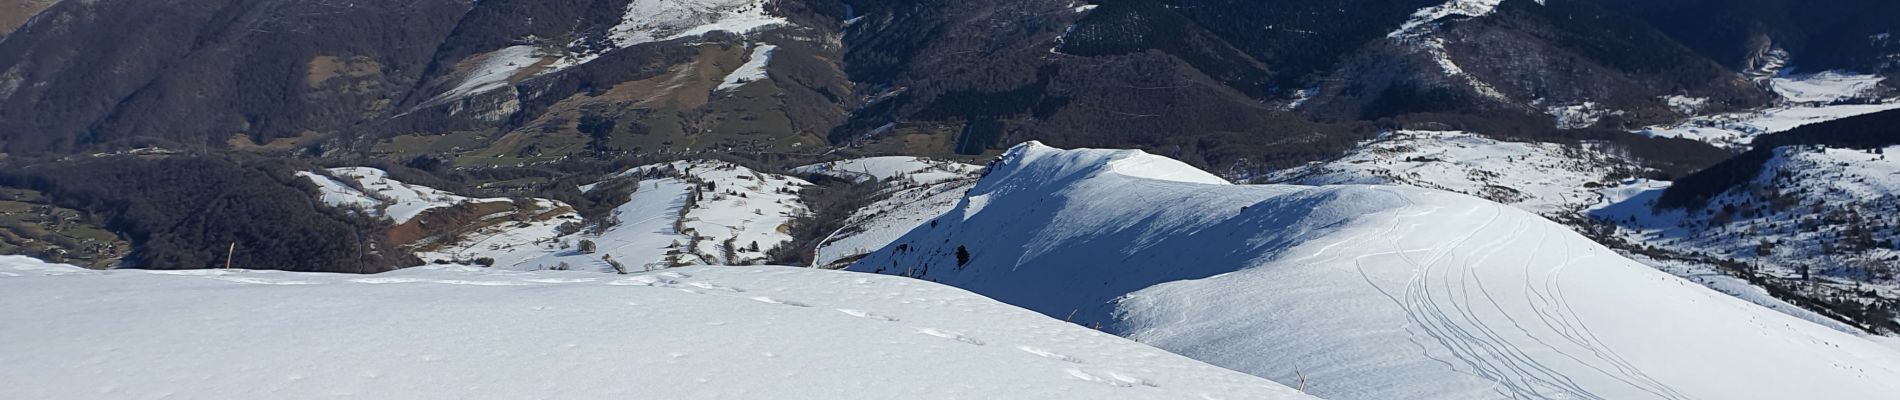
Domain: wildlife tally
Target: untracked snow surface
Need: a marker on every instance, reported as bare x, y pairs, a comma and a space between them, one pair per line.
459, 332
1368, 292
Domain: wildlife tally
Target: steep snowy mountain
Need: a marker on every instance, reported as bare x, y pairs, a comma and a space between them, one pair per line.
1366, 292
700, 333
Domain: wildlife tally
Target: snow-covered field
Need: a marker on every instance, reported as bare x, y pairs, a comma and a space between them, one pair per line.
1369, 292
461, 332
1824, 87
1544, 178
1806, 99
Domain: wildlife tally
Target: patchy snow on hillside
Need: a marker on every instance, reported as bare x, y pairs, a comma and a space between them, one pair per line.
462, 332
1545, 178
1422, 20
752, 70
876, 226
1365, 292
1806, 99
508, 238
660, 20
338, 194
748, 210
1578, 116
1738, 130
680, 213
913, 169
1416, 34
493, 71
1828, 210
1685, 104
1825, 87
917, 190
1434, 48
383, 196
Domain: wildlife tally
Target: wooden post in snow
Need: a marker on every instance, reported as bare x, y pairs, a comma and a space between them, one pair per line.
229, 253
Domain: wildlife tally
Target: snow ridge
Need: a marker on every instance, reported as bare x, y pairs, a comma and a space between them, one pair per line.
1377, 291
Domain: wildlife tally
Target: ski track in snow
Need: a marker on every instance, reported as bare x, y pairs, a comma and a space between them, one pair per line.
1426, 294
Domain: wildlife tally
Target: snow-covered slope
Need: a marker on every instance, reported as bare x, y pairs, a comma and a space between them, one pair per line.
373, 191
1421, 21
752, 70
648, 21
1368, 292
491, 71
916, 191
913, 169
1829, 211
1544, 178
458, 332
682, 213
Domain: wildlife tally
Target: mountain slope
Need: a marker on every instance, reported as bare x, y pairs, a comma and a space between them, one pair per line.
1368, 292
705, 332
